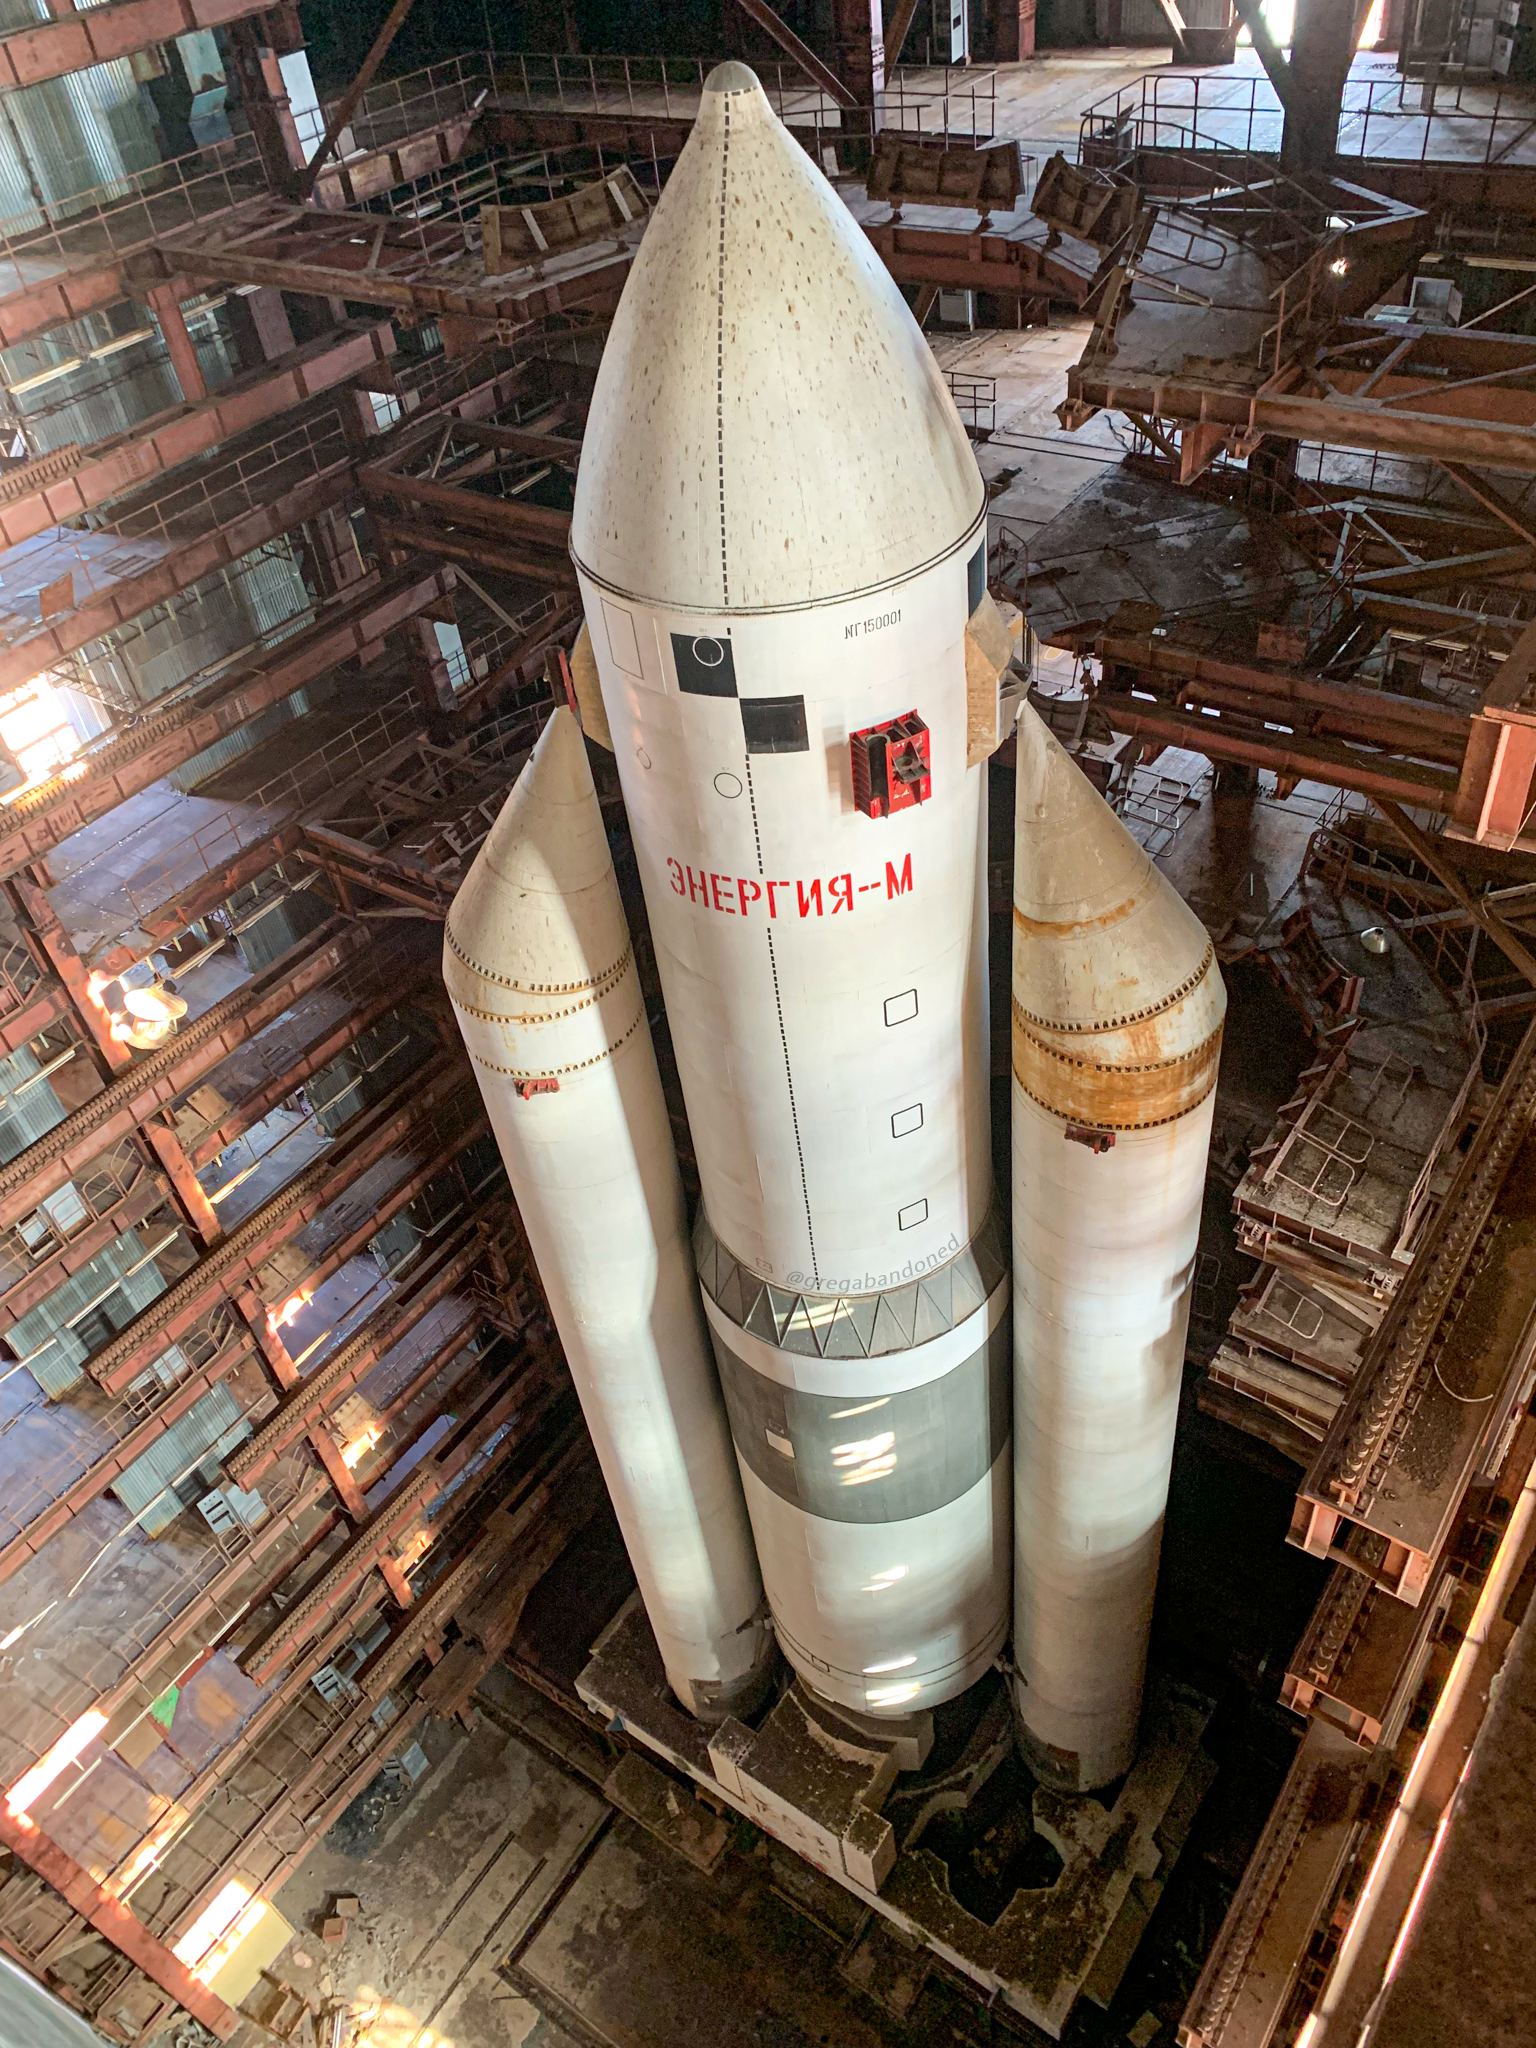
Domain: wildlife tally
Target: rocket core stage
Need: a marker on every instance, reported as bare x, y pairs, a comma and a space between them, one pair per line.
779, 531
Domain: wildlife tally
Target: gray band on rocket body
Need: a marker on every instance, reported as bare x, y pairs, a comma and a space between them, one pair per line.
888, 1458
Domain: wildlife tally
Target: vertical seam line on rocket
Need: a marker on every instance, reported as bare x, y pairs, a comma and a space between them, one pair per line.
725, 172
778, 1004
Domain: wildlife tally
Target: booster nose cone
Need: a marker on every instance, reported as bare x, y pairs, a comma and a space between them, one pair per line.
769, 428
538, 911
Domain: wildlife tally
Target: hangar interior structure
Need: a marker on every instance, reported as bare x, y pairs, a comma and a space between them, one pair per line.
339, 1708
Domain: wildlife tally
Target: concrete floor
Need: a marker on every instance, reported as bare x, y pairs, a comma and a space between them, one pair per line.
452, 1881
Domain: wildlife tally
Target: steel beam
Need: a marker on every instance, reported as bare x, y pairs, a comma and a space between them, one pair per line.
127, 1934
94, 1482
122, 462
358, 1558
146, 1195
45, 1005
1292, 755
778, 28
341, 113
115, 769
1441, 1371
157, 1081
182, 564
413, 536
272, 242
76, 41
306, 1063
504, 519
388, 1326
240, 1256
1315, 705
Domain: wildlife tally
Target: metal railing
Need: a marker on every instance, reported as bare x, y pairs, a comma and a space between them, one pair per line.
58, 1221
975, 401
1392, 119
936, 99
342, 756
116, 218
196, 854
242, 483
394, 108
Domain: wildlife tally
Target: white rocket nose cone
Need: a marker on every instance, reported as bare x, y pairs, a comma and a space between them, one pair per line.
537, 912
769, 428
733, 77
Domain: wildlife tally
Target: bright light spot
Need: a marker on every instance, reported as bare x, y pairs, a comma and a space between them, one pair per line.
867, 1447
891, 1664
36, 730
154, 1004
891, 1695
1338, 266
95, 982
870, 1457
213, 1921
244, 1923
881, 1580
52, 1762
15, 1635
278, 1318
842, 1414
361, 1444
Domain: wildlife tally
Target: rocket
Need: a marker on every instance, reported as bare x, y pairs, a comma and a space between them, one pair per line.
541, 973
779, 533
780, 537
1117, 1021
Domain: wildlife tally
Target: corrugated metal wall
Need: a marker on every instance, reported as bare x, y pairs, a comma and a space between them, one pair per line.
69, 135
218, 617
54, 1352
207, 1432
28, 1106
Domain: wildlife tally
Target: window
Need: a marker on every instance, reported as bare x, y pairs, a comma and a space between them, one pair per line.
774, 725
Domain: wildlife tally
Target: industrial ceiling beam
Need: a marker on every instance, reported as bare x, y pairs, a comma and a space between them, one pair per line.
121, 462
775, 26
1424, 849
115, 769
346, 106
156, 1081
900, 28
1488, 495
1251, 14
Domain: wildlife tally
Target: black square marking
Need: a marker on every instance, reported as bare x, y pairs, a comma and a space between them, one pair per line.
975, 579
774, 725
705, 666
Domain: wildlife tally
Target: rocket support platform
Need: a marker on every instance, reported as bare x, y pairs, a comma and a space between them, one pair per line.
871, 1805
